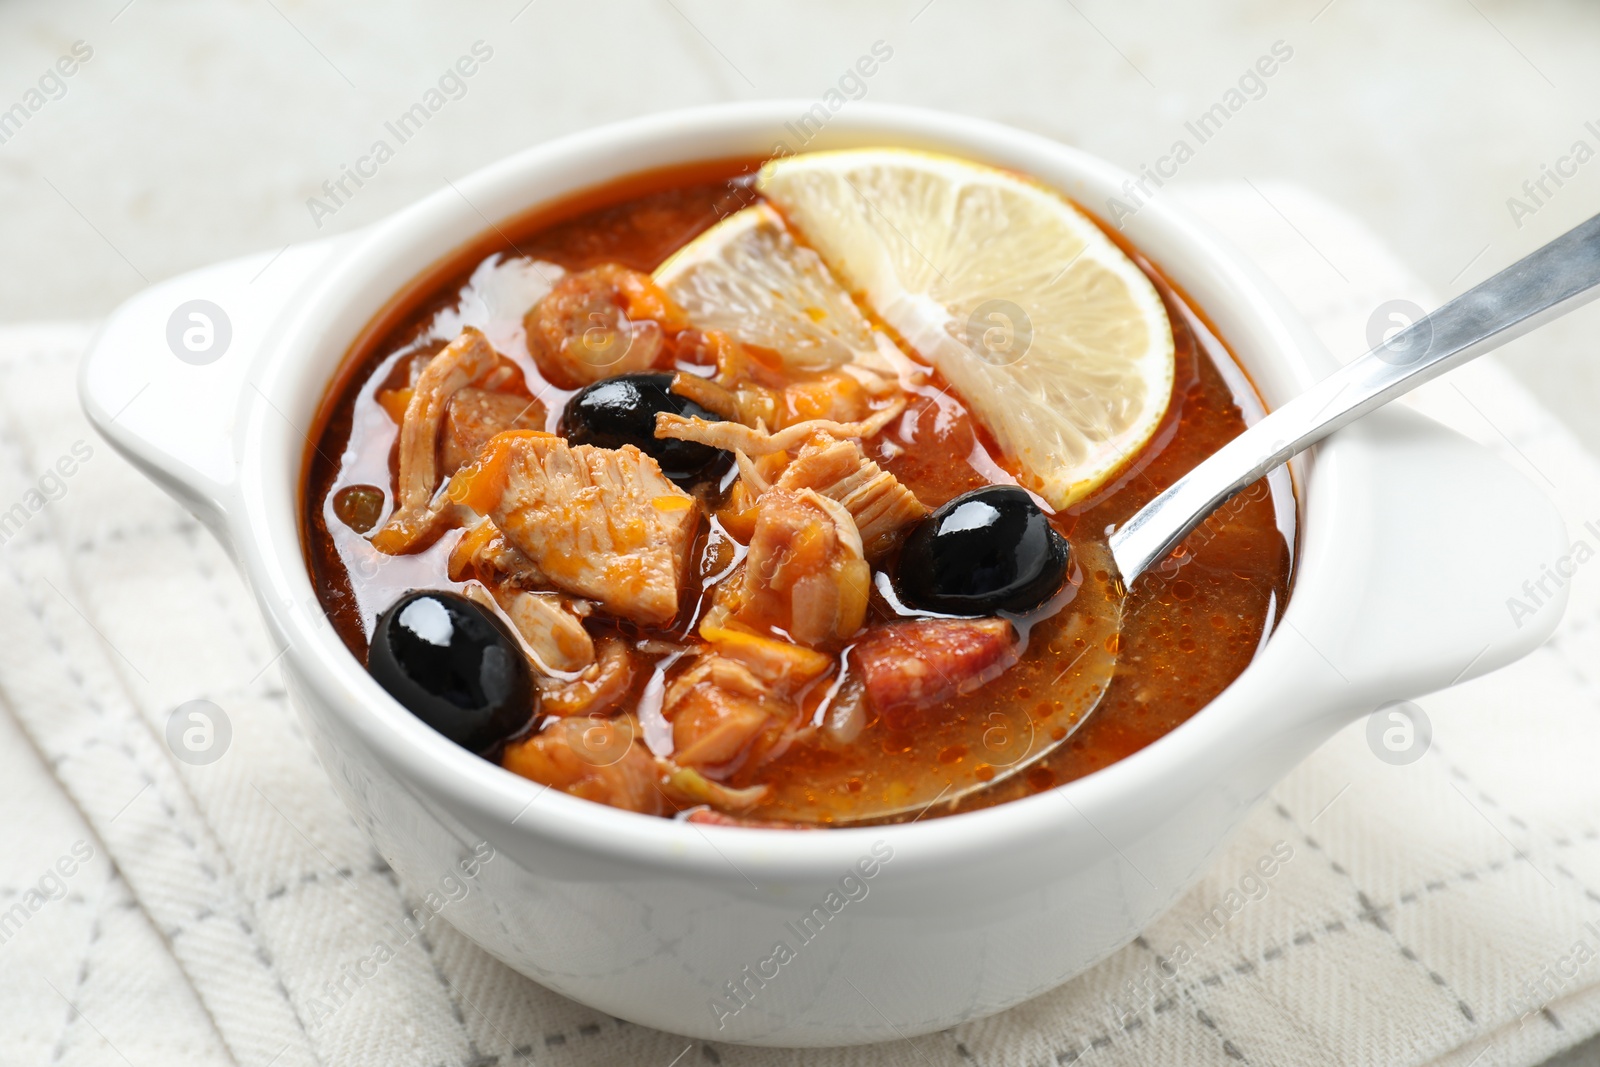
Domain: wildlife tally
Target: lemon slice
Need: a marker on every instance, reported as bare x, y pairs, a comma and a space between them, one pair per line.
747, 277
1058, 342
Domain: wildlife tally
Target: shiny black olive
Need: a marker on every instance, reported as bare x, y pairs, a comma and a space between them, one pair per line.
985, 551
622, 411
455, 666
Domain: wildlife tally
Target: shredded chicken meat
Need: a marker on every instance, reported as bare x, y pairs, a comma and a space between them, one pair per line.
875, 499
550, 632
598, 523
549, 628
805, 575
735, 703
416, 513
757, 441
717, 709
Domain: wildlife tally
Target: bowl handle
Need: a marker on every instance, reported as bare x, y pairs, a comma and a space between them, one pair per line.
166, 377
1438, 593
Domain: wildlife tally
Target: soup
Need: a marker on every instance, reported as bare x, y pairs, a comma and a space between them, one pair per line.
654, 497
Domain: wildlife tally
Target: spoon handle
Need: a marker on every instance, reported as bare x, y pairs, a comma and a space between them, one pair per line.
1542, 285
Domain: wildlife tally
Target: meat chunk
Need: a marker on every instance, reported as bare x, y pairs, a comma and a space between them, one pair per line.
840, 471
473, 416
416, 514
804, 575
736, 701
594, 759
722, 715
712, 727
599, 690
598, 323
551, 631
597, 522
909, 667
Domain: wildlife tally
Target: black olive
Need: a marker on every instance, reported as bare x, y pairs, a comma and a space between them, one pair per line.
622, 411
455, 666
985, 551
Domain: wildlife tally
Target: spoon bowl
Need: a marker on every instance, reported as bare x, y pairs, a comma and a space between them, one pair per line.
985, 747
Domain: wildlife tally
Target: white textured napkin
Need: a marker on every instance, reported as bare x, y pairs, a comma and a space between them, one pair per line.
156, 911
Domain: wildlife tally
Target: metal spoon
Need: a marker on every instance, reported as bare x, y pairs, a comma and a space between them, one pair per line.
1539, 287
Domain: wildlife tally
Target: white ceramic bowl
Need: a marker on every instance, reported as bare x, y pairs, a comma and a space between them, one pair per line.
677, 926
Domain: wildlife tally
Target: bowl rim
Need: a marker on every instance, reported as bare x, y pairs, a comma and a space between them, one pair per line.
1283, 357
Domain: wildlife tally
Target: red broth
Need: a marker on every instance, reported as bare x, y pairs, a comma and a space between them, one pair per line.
1188, 628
